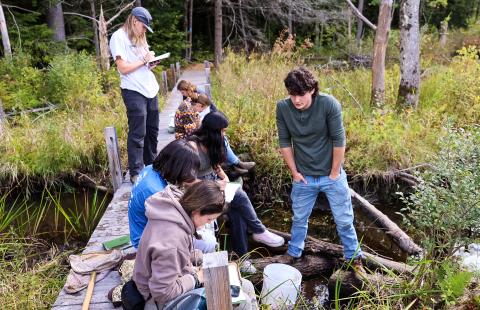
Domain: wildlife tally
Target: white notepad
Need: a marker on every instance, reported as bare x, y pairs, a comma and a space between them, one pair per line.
230, 190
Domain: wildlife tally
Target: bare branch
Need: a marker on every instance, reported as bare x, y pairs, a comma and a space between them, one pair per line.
20, 8
81, 15
359, 15
120, 12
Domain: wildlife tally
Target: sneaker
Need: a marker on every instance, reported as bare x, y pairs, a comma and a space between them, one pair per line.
294, 259
246, 165
247, 267
268, 238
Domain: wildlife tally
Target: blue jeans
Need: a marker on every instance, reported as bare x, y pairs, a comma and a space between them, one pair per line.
232, 159
338, 195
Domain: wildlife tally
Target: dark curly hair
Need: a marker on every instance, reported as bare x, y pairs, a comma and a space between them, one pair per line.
300, 81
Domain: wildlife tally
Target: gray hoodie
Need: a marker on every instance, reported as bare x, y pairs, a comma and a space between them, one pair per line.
163, 267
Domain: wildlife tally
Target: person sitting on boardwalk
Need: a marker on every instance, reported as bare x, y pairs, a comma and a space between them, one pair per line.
186, 119
242, 216
163, 271
177, 163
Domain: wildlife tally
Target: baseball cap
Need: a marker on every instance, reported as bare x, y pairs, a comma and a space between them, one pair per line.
143, 16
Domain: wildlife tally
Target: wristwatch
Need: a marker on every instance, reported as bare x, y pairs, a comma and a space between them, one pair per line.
198, 284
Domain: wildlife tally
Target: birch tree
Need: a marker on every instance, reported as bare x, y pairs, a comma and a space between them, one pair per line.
218, 33
409, 88
56, 21
7, 50
379, 51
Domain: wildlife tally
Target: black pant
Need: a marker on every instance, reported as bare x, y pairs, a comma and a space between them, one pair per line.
143, 118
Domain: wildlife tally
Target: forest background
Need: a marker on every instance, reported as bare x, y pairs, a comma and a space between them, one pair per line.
56, 97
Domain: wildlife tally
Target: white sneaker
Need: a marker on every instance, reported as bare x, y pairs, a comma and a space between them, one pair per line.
247, 267
268, 238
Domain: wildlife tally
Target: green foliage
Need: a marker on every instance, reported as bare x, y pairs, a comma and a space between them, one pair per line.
166, 36
73, 80
452, 282
22, 85
444, 209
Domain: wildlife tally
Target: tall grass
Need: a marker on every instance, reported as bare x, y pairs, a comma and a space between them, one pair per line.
377, 139
43, 147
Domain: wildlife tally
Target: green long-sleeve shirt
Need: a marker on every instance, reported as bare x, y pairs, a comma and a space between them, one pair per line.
312, 133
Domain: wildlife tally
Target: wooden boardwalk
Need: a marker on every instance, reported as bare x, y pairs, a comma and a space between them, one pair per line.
114, 222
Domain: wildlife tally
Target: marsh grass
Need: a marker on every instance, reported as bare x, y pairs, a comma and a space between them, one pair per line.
378, 140
31, 272
42, 149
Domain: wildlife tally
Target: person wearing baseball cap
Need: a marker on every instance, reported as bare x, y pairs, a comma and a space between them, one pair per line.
139, 88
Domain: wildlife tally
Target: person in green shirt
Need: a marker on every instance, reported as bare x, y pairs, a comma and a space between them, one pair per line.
312, 142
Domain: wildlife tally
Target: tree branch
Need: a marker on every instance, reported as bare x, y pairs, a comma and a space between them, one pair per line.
20, 8
359, 15
120, 12
81, 15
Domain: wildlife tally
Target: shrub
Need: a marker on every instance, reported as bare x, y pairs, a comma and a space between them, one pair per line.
444, 209
74, 81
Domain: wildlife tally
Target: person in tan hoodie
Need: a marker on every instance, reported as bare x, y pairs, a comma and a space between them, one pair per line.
163, 267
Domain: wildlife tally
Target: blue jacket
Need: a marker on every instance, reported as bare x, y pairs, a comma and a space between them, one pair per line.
148, 183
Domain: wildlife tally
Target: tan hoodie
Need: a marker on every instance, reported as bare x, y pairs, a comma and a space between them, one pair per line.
163, 267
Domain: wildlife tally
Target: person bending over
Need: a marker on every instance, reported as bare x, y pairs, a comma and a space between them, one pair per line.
209, 143
193, 97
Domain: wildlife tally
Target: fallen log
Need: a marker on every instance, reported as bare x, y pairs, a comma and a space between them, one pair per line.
310, 265
319, 247
396, 233
344, 284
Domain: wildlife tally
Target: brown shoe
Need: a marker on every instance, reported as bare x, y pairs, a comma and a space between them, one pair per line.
247, 165
356, 265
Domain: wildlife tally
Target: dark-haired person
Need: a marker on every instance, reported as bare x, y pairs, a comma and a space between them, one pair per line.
177, 163
242, 216
186, 119
312, 142
130, 51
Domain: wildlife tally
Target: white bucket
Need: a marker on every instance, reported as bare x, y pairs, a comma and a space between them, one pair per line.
281, 283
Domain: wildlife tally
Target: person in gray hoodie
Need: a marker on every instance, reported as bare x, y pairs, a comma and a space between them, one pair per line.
163, 267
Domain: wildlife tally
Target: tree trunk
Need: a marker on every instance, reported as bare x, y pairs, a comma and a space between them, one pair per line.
317, 34
242, 26
95, 30
218, 33
56, 21
391, 229
343, 284
349, 24
379, 51
409, 88
7, 50
315, 246
103, 36
290, 22
190, 31
358, 37
443, 33
138, 3
185, 25
2, 113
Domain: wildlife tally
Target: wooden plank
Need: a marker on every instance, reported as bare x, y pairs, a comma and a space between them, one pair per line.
114, 163
177, 67
174, 74
164, 88
208, 91
217, 284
